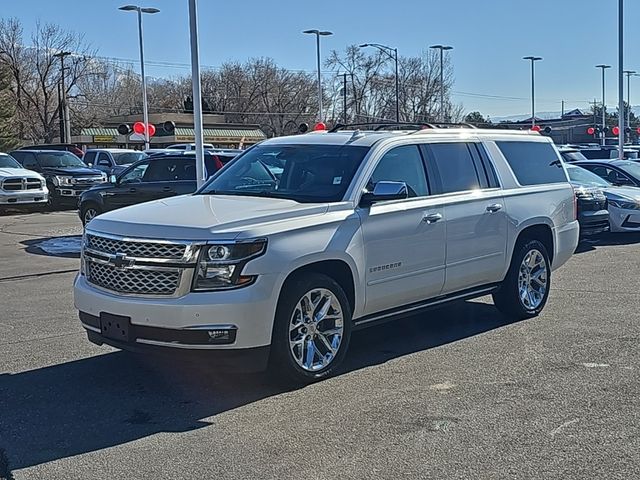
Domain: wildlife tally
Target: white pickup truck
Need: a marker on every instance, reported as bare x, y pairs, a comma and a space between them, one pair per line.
20, 187
300, 240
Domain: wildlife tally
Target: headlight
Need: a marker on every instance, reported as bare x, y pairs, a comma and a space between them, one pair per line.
625, 205
58, 180
220, 265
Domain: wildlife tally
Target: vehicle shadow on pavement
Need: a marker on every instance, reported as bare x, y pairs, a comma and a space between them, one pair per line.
67, 246
607, 240
108, 400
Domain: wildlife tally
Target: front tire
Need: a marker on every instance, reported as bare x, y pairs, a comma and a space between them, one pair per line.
312, 329
525, 290
88, 212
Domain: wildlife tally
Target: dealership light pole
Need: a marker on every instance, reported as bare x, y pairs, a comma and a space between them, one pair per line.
392, 53
145, 113
621, 132
629, 74
604, 107
533, 60
197, 93
318, 34
442, 48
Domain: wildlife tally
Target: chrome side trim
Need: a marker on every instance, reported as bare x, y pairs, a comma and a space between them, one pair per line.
427, 304
213, 326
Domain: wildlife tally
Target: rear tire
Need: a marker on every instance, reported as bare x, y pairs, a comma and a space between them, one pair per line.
525, 290
312, 330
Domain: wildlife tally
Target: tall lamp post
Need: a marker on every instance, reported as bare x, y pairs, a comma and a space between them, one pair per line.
318, 34
392, 53
442, 48
629, 74
621, 128
145, 112
533, 60
604, 107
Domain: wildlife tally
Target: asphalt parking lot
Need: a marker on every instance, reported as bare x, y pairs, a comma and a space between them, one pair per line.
457, 393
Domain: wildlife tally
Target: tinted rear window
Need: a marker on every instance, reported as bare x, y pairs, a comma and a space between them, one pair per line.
533, 163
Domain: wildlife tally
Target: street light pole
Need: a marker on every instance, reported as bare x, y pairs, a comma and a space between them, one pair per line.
318, 34
629, 73
198, 131
145, 111
65, 131
393, 56
533, 60
442, 48
621, 128
604, 107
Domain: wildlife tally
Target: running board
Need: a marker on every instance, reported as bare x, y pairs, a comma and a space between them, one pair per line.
399, 312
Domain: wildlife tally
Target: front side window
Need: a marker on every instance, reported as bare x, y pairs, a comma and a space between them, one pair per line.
456, 167
170, 170
533, 163
7, 161
402, 164
89, 158
611, 175
303, 173
103, 160
631, 168
59, 160
135, 174
127, 158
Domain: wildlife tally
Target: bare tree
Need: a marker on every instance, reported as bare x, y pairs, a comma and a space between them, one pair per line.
36, 73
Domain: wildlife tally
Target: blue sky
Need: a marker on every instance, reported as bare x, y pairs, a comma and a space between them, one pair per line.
489, 36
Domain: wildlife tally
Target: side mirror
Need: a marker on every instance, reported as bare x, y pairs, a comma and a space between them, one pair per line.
385, 191
89, 164
113, 179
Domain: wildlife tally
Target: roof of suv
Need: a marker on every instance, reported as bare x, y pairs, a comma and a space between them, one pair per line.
368, 137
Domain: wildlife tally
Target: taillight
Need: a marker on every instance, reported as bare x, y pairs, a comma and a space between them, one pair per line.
575, 206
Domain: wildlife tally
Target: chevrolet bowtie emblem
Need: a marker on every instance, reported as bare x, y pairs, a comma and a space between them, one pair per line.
121, 261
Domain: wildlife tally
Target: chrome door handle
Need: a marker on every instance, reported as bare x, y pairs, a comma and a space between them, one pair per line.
432, 217
494, 207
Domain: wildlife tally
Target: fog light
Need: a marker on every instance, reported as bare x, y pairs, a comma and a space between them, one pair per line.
218, 336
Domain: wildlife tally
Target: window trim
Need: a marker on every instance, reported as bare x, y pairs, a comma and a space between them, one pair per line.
487, 165
429, 184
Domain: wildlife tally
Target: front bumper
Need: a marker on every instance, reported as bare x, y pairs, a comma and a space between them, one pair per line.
23, 197
166, 322
593, 222
624, 220
69, 193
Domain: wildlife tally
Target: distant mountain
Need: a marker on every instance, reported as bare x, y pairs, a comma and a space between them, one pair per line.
547, 115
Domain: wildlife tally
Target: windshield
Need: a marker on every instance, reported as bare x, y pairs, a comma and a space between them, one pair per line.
7, 161
573, 156
632, 168
59, 159
127, 158
585, 177
304, 173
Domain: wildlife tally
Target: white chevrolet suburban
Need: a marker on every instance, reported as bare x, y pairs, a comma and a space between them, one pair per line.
300, 240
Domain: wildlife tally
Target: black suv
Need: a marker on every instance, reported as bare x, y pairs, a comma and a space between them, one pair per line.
156, 177
67, 176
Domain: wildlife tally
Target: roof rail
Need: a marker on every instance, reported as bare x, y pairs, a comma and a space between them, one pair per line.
377, 126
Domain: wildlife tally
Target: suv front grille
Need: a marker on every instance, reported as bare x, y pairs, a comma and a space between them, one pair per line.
133, 281
16, 184
171, 251
87, 180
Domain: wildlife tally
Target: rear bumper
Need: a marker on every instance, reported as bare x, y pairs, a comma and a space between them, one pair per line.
593, 222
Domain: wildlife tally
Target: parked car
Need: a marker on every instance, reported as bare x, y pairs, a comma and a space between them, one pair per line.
607, 152
189, 146
112, 160
571, 154
623, 203
20, 187
621, 173
63, 147
152, 178
302, 239
66, 175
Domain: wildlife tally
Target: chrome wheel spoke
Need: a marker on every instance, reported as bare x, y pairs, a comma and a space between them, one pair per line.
315, 329
532, 279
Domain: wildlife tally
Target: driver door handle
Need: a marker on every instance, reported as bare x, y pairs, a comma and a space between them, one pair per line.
430, 218
133, 190
494, 207
167, 189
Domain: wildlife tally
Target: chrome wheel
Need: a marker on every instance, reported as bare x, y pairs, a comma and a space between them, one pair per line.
316, 329
89, 214
532, 279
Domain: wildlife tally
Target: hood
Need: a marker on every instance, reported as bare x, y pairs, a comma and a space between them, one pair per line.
623, 193
19, 172
71, 171
199, 217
